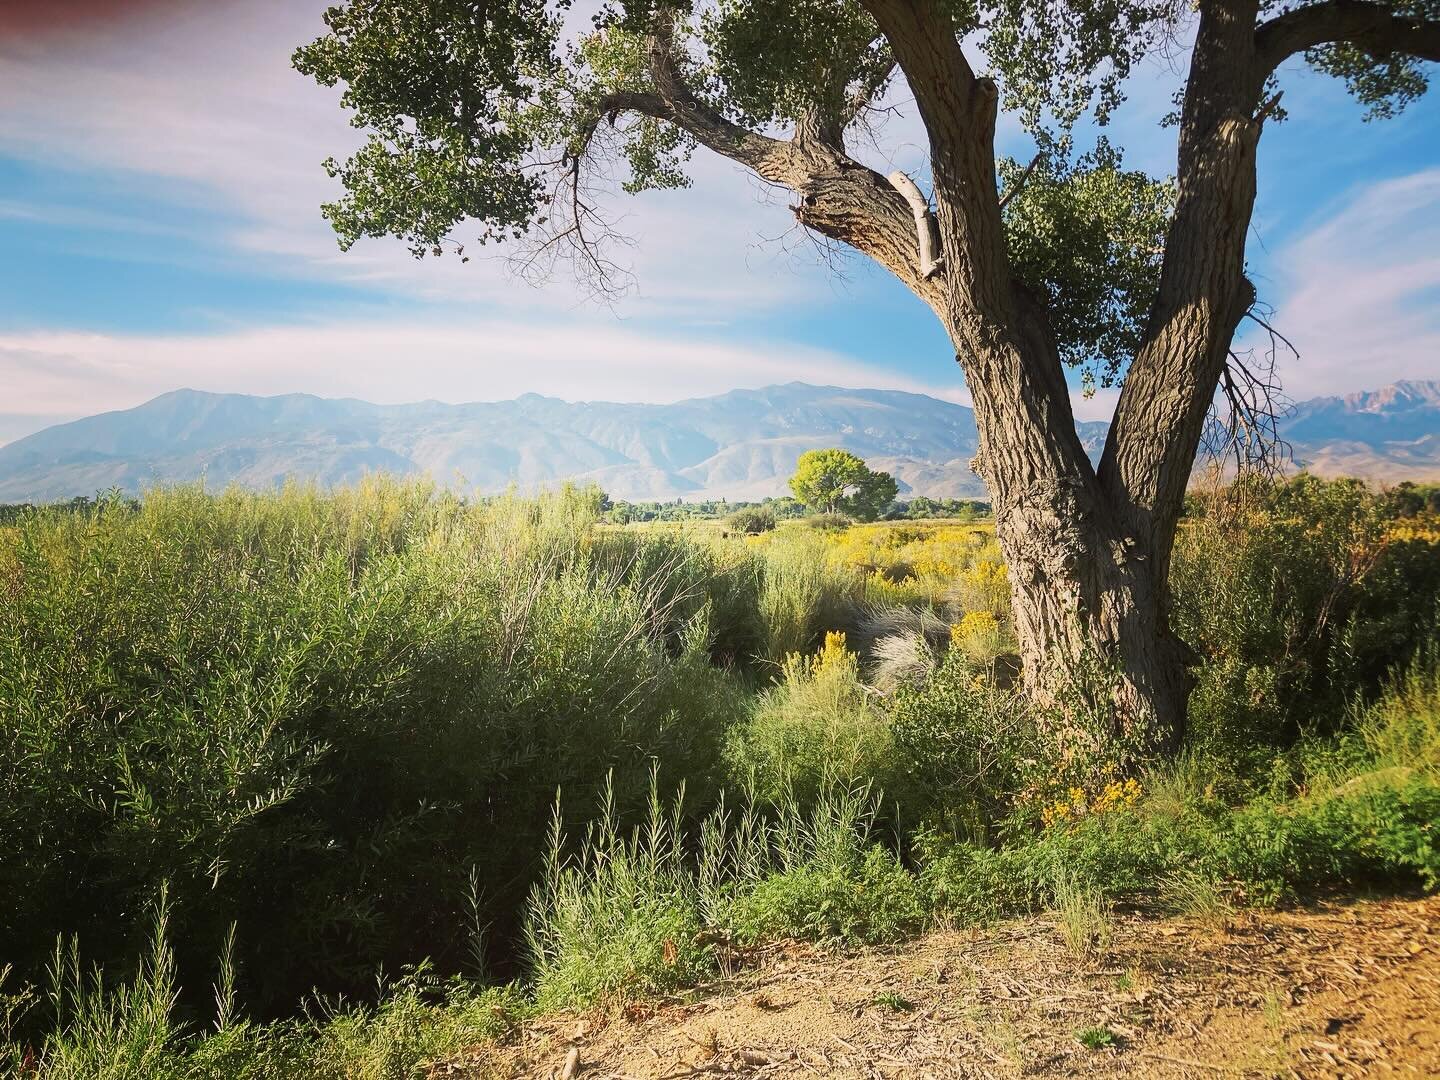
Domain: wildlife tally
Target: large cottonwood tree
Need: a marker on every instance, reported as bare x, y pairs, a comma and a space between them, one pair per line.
492, 119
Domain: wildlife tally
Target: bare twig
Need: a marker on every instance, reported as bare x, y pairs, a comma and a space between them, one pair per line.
1020, 183
1245, 430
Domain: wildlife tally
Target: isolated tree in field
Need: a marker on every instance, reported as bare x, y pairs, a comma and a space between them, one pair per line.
493, 120
835, 481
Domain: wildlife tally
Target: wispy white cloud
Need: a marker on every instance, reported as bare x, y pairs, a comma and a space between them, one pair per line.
68, 215
1358, 290
204, 102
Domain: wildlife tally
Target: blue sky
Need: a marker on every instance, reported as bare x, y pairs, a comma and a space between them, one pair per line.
159, 193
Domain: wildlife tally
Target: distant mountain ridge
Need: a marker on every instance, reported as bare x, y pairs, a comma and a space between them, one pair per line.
738, 445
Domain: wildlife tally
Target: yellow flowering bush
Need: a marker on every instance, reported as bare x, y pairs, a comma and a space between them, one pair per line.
901, 552
1424, 528
974, 624
833, 655
818, 725
982, 636
985, 586
1075, 803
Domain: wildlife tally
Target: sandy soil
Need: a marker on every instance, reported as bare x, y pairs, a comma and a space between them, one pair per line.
1338, 991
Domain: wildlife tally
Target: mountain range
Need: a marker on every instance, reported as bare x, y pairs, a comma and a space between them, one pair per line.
739, 445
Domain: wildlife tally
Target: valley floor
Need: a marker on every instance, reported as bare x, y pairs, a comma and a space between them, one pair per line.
1335, 991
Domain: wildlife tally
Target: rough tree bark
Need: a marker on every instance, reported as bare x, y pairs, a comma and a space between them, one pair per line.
1088, 549
1089, 595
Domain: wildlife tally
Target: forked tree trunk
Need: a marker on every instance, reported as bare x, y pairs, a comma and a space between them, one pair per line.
1088, 550
1089, 582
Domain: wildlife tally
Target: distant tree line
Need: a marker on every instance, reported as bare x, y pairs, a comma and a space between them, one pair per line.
783, 508
622, 512
10, 513
1404, 500
923, 506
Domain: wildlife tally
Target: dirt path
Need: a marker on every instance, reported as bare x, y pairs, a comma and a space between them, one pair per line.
1341, 991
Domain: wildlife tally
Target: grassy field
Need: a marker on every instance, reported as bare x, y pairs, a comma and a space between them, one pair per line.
313, 784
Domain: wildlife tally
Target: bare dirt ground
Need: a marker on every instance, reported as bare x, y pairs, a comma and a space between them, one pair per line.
1337, 991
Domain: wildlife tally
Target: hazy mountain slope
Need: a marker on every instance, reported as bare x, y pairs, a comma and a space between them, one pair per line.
740, 445
737, 445
1385, 435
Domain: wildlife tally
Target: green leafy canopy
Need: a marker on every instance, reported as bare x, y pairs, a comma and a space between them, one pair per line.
480, 113
449, 92
1089, 235
836, 481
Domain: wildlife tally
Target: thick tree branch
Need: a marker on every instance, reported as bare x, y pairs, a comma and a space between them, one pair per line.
838, 197
608, 108
1001, 334
1150, 450
1373, 27
821, 127
766, 156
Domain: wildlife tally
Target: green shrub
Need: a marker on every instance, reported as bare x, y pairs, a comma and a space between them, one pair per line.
867, 900
963, 745
313, 715
104, 1030
622, 916
1362, 813
751, 520
1296, 598
1402, 729
419, 1021
119, 1031
1377, 830
819, 726
828, 521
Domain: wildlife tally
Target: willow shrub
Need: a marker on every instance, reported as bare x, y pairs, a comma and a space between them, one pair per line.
1297, 596
818, 726
313, 715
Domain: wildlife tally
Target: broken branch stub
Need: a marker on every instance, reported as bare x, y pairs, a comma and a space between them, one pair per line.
926, 231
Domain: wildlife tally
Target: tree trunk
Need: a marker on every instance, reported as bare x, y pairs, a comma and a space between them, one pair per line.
1089, 592
1091, 610
1089, 551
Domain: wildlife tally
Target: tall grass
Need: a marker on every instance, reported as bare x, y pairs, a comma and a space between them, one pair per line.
800, 596
1402, 729
660, 907
312, 715
112, 1032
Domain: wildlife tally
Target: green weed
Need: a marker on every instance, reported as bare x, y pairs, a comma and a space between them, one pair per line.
1097, 1038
